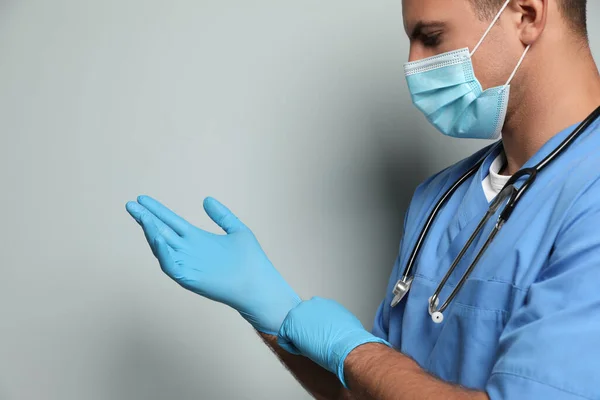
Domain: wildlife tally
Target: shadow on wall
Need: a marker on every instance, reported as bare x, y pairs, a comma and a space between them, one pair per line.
403, 153
402, 167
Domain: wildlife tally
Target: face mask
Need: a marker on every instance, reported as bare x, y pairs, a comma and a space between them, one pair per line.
445, 89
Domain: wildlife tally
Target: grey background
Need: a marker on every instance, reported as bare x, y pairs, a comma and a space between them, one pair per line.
294, 114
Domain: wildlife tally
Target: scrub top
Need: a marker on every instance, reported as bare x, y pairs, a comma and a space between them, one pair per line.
526, 324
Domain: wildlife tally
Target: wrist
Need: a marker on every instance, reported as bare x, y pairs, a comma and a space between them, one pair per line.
268, 316
324, 331
265, 300
348, 345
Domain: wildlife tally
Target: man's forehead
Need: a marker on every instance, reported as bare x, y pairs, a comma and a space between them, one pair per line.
418, 11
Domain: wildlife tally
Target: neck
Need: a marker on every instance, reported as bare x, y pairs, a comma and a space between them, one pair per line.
558, 93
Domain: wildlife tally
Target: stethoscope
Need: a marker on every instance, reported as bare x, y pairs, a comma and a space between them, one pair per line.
510, 192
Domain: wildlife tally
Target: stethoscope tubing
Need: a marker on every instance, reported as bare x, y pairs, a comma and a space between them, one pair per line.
509, 191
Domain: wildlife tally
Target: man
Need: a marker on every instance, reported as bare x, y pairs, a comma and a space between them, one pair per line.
524, 323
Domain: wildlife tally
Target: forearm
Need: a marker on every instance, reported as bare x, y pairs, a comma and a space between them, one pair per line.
322, 384
375, 371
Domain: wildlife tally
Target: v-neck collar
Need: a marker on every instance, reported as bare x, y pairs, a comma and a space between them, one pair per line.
479, 203
475, 196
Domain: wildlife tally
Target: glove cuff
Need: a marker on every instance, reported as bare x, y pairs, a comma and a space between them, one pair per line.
346, 346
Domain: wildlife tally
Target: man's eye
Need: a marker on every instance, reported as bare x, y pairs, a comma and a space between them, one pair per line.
431, 40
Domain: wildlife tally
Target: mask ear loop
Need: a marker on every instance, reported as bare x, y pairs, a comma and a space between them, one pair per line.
516, 68
490, 27
496, 18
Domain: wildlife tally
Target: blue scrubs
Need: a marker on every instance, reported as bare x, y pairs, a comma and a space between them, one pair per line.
526, 324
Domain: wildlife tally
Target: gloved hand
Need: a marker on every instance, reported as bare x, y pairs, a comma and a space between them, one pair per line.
325, 332
231, 269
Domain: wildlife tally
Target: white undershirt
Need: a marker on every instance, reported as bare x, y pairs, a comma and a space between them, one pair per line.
494, 182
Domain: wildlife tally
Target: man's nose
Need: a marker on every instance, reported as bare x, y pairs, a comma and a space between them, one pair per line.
417, 52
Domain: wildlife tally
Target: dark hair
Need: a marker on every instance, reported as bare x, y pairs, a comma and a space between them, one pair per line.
574, 11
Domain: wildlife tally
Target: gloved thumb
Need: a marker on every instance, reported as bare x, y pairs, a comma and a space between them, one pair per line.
222, 216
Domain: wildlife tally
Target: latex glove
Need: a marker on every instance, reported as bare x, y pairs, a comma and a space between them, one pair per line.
325, 332
231, 269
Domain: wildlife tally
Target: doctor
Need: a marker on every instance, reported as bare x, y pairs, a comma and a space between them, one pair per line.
524, 321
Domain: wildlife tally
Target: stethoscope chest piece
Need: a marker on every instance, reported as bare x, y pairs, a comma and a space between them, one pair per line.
401, 289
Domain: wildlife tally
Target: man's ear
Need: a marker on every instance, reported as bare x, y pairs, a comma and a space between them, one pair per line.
533, 15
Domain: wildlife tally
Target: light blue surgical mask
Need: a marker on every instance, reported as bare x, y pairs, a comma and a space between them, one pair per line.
445, 89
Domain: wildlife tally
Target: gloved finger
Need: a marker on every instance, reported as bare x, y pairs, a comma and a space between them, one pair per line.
222, 216
152, 226
163, 254
174, 221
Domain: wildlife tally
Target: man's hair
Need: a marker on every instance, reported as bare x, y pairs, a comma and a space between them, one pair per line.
574, 12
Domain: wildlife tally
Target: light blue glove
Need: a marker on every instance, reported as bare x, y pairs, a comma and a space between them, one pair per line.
325, 332
231, 269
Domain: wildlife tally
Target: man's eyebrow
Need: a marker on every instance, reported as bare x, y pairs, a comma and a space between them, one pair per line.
421, 25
